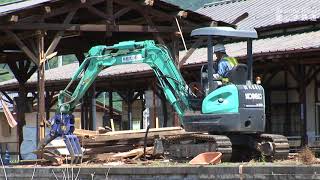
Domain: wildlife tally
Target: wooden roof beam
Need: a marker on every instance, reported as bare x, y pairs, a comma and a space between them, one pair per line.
168, 16
121, 12
22, 46
91, 27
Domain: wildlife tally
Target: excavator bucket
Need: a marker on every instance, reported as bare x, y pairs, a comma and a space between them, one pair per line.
74, 148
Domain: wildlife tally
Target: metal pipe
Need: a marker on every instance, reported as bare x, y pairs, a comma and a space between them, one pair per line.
210, 63
250, 59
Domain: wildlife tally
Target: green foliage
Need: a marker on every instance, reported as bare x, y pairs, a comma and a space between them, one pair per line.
117, 100
66, 59
5, 73
5, 77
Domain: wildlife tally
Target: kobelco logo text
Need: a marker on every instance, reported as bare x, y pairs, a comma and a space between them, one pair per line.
251, 96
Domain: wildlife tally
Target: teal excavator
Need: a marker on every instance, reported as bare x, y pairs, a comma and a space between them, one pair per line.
231, 117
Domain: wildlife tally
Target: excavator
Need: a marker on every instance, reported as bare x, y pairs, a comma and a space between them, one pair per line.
230, 119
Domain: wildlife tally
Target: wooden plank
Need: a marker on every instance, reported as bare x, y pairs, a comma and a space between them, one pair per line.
84, 133
131, 134
22, 46
133, 152
109, 149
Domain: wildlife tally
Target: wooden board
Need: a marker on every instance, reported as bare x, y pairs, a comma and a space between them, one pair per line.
84, 133
138, 134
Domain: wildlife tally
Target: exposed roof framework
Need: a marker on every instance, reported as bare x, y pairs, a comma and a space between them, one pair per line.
77, 25
292, 49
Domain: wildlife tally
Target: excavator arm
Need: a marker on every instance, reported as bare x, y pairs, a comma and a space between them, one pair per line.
128, 52
103, 57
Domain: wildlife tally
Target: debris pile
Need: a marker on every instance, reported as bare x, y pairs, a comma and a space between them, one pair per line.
105, 145
306, 156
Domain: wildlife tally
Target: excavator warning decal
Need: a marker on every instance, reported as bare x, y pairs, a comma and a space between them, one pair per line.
132, 58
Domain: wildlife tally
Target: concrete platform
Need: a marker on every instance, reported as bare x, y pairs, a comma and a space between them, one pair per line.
170, 172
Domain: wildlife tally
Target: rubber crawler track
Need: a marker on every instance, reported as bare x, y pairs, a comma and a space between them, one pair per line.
280, 145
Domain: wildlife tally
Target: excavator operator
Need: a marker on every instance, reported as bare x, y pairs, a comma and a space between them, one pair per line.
225, 63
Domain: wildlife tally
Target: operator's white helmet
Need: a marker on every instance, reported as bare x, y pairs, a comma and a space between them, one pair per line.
219, 48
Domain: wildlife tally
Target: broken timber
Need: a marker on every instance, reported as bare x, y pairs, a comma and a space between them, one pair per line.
133, 134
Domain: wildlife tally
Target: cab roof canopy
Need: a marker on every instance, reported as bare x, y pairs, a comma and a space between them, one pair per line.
224, 31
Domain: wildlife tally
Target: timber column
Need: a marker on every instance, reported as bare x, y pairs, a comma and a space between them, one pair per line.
41, 87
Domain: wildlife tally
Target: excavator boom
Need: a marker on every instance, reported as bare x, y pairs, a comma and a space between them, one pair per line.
128, 52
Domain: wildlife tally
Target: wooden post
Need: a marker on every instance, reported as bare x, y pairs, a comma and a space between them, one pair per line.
129, 102
268, 110
109, 12
287, 126
83, 125
302, 98
164, 111
93, 107
152, 124
110, 104
41, 87
112, 124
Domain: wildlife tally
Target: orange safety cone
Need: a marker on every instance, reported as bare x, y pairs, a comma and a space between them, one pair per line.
207, 158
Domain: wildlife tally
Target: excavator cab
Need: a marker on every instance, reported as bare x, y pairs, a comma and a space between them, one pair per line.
240, 73
233, 107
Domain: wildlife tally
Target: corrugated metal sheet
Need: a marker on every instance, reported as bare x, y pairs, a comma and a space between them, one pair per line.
263, 13
278, 44
6, 9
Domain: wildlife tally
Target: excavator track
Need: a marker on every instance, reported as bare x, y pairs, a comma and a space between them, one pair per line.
280, 145
190, 145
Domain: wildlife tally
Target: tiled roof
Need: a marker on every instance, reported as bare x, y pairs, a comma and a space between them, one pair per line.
263, 13
276, 44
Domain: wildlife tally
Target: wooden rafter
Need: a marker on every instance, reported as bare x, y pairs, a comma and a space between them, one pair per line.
98, 13
22, 46
59, 34
156, 34
121, 12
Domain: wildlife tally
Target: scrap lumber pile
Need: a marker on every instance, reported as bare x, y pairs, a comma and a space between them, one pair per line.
101, 146
121, 141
